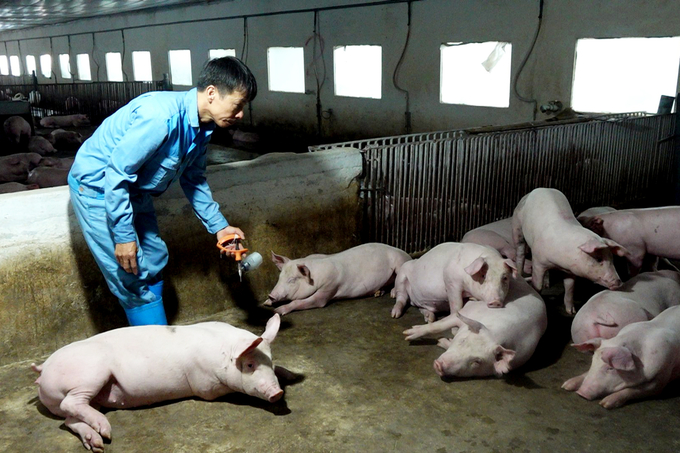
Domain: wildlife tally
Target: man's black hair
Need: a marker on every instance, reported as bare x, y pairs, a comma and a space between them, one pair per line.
228, 74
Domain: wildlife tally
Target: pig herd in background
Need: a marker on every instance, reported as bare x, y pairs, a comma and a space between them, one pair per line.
30, 165
496, 315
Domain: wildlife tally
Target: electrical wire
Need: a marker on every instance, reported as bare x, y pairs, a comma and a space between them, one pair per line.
122, 58
316, 38
407, 113
94, 58
524, 61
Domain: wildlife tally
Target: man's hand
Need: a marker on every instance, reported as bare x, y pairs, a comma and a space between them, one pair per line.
126, 255
230, 230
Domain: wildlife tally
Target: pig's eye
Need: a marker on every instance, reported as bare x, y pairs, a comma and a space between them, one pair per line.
292, 280
474, 364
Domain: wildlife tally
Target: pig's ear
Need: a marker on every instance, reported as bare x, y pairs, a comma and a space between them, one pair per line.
595, 224
592, 246
588, 346
306, 273
512, 266
477, 269
616, 248
474, 326
503, 358
272, 328
619, 358
605, 319
245, 346
279, 260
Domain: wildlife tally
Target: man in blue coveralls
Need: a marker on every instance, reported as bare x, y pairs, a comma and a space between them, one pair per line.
138, 152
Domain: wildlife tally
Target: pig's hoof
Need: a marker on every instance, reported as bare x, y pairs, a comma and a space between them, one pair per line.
393, 293
282, 310
379, 293
267, 302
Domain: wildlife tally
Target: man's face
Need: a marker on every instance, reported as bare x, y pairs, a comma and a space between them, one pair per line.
225, 110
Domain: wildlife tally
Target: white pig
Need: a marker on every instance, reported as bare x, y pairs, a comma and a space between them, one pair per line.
641, 298
40, 145
313, 281
439, 280
544, 221
497, 235
636, 363
489, 341
142, 365
76, 120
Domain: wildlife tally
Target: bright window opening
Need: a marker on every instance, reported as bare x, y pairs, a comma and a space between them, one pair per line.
180, 67
83, 63
219, 53
46, 65
65, 65
141, 66
358, 71
476, 73
31, 64
286, 67
15, 65
114, 67
4, 65
624, 75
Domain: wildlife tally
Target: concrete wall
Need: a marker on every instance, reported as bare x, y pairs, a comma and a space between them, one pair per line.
52, 293
547, 75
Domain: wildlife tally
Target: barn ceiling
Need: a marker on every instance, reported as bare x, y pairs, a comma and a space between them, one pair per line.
17, 14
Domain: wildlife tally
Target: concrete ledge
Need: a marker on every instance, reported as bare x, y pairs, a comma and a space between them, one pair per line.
52, 293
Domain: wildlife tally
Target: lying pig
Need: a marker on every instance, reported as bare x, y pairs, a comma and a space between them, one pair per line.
142, 365
57, 162
639, 299
313, 281
544, 221
11, 187
48, 176
62, 138
635, 364
651, 231
489, 341
440, 279
497, 235
590, 212
17, 130
75, 120
40, 145
15, 167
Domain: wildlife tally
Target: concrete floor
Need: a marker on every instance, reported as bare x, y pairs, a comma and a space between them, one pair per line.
362, 388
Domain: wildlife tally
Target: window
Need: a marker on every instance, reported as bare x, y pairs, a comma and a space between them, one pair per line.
46, 65
83, 63
65, 65
286, 67
624, 75
180, 67
141, 66
358, 71
30, 64
4, 65
475, 73
15, 65
218, 53
114, 67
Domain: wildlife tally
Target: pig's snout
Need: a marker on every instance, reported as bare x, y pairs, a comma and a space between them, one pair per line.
274, 396
439, 368
614, 284
496, 303
584, 394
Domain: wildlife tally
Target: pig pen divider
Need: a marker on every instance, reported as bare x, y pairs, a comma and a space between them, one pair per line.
420, 190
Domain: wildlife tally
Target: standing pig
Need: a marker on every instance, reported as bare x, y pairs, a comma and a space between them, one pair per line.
544, 221
651, 231
15, 167
17, 130
40, 145
312, 281
489, 341
142, 365
440, 279
75, 120
635, 364
641, 298
497, 235
48, 177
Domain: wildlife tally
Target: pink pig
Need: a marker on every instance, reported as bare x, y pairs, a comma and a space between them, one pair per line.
439, 280
638, 362
497, 235
641, 298
75, 120
544, 221
138, 366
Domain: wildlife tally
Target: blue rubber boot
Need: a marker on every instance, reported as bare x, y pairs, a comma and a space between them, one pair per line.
152, 313
157, 289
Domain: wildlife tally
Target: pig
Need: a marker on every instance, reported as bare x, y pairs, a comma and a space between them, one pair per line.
75, 120
15, 167
11, 187
48, 176
489, 341
497, 235
40, 145
543, 221
651, 231
63, 138
592, 212
17, 130
142, 365
57, 162
637, 363
313, 281
641, 298
439, 280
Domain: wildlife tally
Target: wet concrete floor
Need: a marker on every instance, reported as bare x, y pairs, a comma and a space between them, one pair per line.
360, 387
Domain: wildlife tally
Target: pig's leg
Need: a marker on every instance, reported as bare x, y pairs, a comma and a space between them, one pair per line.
454, 292
520, 244
317, 300
401, 286
574, 383
444, 343
441, 325
537, 275
89, 437
618, 399
428, 315
569, 283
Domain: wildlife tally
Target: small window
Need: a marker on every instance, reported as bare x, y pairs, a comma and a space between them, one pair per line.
15, 65
114, 67
141, 66
358, 71
219, 53
286, 69
30, 64
476, 73
4, 65
180, 67
624, 75
65, 65
46, 65
83, 63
